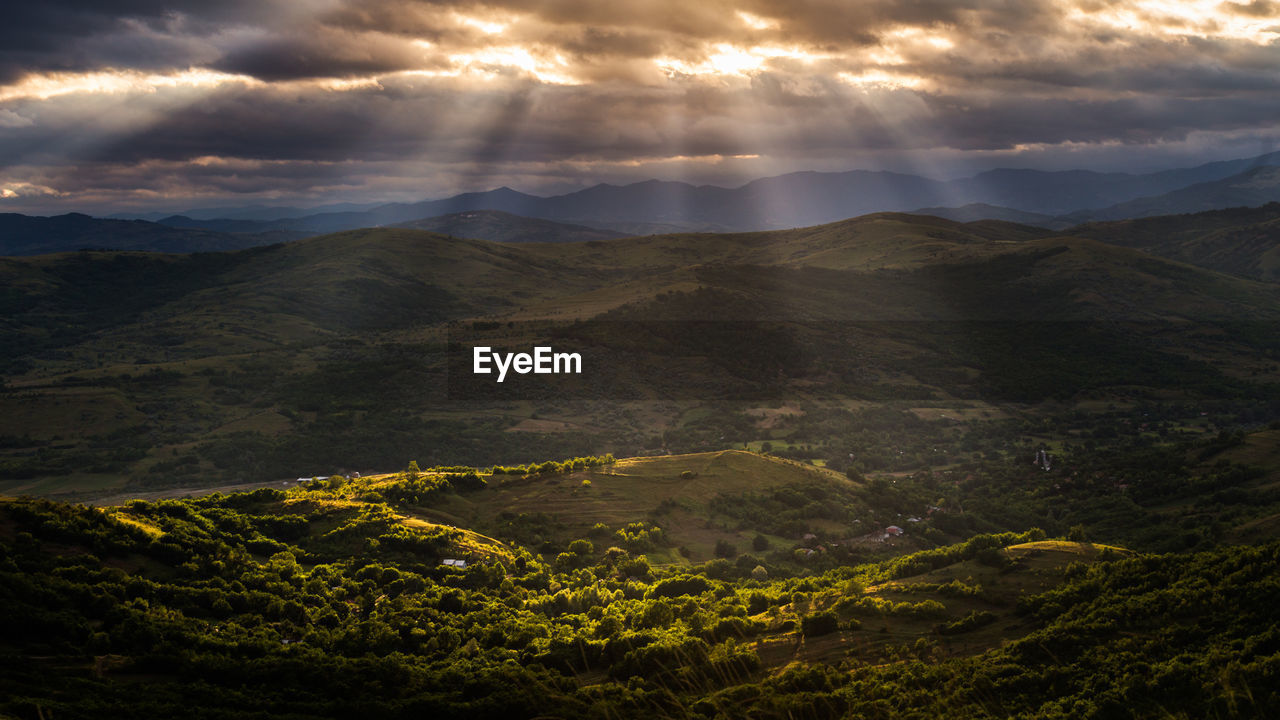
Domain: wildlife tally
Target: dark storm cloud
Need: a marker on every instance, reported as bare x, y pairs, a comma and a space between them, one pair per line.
320, 52
1126, 120
305, 96
525, 122
58, 35
374, 124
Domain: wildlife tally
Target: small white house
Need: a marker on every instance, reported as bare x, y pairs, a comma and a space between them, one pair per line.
893, 531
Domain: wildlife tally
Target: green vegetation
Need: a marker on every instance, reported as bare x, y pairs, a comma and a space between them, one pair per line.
1237, 240
333, 353
893, 467
305, 605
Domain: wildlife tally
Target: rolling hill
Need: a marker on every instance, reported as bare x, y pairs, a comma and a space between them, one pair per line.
983, 211
504, 227
350, 350
1241, 241
304, 601
825, 503
25, 235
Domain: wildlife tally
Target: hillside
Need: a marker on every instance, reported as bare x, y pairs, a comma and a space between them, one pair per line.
680, 492
1253, 187
348, 350
1242, 241
504, 227
983, 211
24, 235
381, 278
301, 603
217, 304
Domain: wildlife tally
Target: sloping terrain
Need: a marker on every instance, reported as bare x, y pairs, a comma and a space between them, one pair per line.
1255, 186
498, 226
1241, 241
25, 235
303, 604
791, 200
334, 352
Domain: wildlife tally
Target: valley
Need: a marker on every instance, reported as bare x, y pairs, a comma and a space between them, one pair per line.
499, 360
586, 608
353, 351
893, 465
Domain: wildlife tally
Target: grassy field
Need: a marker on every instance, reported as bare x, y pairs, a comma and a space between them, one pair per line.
881, 635
1260, 449
631, 490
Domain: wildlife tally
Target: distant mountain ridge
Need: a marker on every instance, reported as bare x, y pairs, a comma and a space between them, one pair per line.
1053, 200
249, 212
27, 235
800, 199
1251, 188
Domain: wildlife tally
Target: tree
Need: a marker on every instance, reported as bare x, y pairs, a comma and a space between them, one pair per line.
819, 623
725, 549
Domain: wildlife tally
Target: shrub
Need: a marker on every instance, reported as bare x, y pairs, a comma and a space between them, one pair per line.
974, 620
725, 549
819, 623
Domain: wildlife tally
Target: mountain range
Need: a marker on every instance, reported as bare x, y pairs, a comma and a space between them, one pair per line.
790, 479
27, 235
336, 350
1051, 199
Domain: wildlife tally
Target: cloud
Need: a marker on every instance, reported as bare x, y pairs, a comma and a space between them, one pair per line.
10, 119
68, 35
144, 99
321, 52
1256, 8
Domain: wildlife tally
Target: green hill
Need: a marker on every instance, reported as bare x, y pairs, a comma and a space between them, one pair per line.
296, 603
499, 226
27, 235
895, 466
682, 493
1241, 241
335, 352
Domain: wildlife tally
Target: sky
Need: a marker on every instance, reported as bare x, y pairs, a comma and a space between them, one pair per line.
121, 105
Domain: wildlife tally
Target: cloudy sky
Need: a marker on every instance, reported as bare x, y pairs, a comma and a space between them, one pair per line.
126, 104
